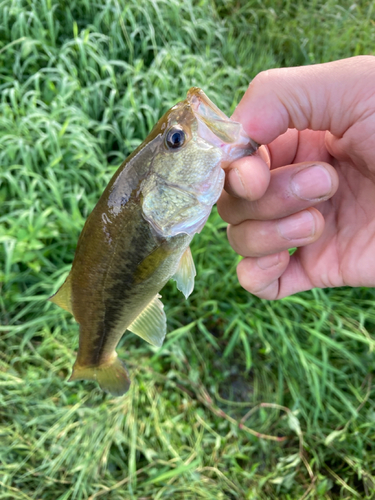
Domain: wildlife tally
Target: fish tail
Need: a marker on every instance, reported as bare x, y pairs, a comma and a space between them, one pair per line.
112, 377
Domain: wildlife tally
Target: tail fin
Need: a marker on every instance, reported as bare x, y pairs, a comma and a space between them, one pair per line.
112, 377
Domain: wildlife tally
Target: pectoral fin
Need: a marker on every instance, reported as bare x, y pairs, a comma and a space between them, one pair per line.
63, 296
184, 276
151, 324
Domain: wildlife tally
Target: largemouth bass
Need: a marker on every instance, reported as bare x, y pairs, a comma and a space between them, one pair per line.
138, 235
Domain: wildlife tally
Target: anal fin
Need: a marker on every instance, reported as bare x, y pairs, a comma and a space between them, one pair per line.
185, 274
151, 324
63, 296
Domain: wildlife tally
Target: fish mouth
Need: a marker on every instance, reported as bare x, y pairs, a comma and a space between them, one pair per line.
219, 130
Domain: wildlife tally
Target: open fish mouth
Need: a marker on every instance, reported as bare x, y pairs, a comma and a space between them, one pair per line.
219, 130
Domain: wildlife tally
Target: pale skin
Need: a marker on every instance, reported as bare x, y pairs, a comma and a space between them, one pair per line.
319, 194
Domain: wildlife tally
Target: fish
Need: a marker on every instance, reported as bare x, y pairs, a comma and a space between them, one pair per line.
138, 235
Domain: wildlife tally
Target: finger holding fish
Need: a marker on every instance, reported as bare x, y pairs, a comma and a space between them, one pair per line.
291, 189
247, 178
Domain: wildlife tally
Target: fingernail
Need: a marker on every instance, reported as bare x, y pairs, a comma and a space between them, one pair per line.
264, 153
268, 261
236, 183
297, 226
311, 183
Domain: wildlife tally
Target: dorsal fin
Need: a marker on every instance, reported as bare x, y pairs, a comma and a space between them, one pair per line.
185, 274
151, 324
63, 296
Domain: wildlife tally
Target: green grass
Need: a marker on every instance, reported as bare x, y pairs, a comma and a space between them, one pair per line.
81, 84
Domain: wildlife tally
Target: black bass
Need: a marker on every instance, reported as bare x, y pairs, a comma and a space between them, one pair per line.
138, 235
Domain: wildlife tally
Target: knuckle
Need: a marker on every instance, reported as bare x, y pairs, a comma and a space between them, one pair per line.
242, 239
251, 282
266, 78
244, 280
263, 210
231, 235
260, 288
223, 209
268, 291
248, 281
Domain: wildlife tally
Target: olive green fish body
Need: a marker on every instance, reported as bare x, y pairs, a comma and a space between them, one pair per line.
138, 235
121, 263
112, 288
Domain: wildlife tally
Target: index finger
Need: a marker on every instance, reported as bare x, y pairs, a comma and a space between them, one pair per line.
306, 97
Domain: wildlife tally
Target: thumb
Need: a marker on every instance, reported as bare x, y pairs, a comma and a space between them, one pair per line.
330, 96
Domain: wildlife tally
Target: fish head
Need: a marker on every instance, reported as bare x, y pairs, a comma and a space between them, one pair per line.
217, 129
196, 141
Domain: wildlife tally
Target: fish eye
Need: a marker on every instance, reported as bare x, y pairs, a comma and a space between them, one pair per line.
175, 138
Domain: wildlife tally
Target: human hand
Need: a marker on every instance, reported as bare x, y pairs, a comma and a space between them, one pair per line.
319, 196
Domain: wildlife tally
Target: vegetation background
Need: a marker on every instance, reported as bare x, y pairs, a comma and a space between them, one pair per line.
248, 399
